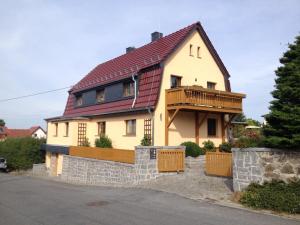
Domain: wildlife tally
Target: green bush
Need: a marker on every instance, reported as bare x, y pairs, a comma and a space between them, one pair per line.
22, 153
225, 147
146, 141
275, 195
86, 142
248, 142
103, 142
208, 146
192, 149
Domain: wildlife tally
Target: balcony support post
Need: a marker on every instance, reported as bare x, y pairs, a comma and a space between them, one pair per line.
223, 128
197, 127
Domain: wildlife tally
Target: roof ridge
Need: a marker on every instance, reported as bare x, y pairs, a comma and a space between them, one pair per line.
149, 43
93, 74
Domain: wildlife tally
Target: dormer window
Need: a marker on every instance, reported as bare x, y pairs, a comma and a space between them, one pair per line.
191, 50
128, 89
79, 100
100, 96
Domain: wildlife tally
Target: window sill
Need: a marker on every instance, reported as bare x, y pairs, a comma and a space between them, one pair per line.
66, 136
212, 136
129, 135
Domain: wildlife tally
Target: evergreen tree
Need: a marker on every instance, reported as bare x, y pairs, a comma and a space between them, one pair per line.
2, 123
283, 121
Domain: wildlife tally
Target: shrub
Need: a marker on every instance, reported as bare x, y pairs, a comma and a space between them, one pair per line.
103, 142
192, 149
225, 147
208, 146
275, 195
146, 141
86, 143
22, 153
248, 142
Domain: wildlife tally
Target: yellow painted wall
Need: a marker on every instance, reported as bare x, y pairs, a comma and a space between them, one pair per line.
194, 71
61, 138
115, 130
48, 159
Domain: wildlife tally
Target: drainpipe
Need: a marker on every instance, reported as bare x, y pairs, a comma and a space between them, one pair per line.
135, 90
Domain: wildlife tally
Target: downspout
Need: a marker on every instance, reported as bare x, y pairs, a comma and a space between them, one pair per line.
135, 90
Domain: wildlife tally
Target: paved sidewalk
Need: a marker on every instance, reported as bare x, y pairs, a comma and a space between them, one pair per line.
193, 183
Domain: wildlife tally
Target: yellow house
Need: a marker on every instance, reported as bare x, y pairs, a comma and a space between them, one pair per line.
171, 90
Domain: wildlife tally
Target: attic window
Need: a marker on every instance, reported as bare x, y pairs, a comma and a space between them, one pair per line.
79, 100
198, 52
100, 96
211, 85
191, 50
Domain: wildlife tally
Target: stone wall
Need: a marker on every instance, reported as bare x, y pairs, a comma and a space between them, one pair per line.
39, 170
91, 171
263, 164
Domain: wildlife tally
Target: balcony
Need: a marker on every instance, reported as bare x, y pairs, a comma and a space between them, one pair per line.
203, 99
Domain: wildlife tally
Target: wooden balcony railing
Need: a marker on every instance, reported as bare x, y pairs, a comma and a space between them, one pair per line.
196, 96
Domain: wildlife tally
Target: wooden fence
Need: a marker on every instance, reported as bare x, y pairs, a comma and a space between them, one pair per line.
110, 154
218, 163
170, 160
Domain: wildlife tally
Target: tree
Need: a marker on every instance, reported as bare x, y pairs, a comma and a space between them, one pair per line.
2, 123
283, 129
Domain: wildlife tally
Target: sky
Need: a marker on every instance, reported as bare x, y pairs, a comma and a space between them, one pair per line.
52, 44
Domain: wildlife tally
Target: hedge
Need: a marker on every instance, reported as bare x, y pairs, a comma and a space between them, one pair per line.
22, 153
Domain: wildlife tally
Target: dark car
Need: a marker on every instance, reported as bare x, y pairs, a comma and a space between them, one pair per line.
3, 165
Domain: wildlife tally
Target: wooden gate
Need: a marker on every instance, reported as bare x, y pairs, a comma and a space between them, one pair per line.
170, 160
218, 163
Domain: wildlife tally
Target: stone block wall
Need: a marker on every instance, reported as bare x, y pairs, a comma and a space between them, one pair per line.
263, 164
91, 171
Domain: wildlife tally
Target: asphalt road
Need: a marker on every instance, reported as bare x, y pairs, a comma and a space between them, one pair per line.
30, 201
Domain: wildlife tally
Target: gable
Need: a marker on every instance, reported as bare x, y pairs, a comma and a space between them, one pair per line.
198, 67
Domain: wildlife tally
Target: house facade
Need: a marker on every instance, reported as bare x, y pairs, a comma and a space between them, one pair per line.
171, 90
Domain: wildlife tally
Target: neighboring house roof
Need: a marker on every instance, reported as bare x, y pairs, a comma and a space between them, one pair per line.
146, 63
14, 133
252, 127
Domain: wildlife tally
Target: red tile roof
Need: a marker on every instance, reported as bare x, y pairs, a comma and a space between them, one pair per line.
136, 61
14, 133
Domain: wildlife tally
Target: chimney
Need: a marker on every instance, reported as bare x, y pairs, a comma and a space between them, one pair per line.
130, 49
156, 35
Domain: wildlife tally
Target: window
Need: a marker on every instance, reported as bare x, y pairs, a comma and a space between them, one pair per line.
130, 127
211, 85
198, 52
191, 50
128, 89
175, 81
66, 129
55, 129
101, 128
79, 100
211, 127
100, 96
